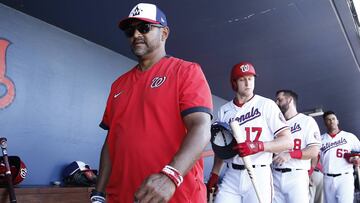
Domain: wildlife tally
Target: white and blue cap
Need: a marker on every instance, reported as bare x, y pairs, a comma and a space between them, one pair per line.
145, 12
74, 167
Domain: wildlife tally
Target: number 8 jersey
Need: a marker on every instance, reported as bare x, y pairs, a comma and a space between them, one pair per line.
260, 119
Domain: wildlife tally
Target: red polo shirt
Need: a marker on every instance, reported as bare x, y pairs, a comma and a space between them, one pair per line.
144, 117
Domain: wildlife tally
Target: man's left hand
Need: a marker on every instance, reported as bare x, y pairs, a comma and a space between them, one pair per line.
281, 158
249, 148
156, 188
355, 160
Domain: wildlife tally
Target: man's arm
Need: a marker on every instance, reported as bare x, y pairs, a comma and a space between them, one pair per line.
104, 168
309, 152
217, 165
211, 185
282, 142
159, 187
198, 136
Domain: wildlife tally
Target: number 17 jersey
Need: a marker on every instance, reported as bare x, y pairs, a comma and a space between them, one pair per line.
260, 119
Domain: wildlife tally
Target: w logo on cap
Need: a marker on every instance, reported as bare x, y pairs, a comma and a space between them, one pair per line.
245, 68
136, 11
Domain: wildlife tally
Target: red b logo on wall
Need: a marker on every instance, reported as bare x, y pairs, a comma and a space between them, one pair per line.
8, 97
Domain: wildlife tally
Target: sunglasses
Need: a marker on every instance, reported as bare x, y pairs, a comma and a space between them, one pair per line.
143, 28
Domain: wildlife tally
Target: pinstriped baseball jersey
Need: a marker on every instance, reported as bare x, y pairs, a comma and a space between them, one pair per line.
260, 119
305, 132
333, 149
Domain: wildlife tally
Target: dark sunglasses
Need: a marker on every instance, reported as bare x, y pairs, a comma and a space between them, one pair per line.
143, 28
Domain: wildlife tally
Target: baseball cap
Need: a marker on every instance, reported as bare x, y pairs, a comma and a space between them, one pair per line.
241, 69
75, 166
145, 12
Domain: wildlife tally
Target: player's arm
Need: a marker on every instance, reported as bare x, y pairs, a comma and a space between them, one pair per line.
313, 164
104, 174
159, 187
310, 152
211, 185
215, 171
282, 142
353, 157
315, 160
217, 165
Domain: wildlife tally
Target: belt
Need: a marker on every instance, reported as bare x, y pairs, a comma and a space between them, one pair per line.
242, 167
285, 170
316, 170
335, 175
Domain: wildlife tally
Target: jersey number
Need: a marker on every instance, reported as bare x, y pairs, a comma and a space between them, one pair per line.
297, 144
253, 129
340, 152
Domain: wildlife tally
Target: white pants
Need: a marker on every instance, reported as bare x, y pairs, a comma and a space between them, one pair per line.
316, 189
236, 186
291, 187
339, 189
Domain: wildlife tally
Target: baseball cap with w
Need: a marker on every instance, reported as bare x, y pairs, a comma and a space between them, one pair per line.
145, 12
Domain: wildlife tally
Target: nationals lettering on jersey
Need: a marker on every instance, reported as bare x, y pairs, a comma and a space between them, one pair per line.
327, 146
294, 128
259, 119
332, 152
248, 116
305, 132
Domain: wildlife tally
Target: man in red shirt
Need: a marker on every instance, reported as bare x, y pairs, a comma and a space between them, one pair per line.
158, 117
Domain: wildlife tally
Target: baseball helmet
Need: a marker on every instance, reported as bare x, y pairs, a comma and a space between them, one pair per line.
17, 168
239, 70
222, 140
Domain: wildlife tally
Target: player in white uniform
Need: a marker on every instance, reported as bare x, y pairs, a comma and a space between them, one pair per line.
266, 131
338, 171
290, 168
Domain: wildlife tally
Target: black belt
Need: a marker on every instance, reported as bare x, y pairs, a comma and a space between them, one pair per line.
285, 170
335, 175
316, 170
242, 167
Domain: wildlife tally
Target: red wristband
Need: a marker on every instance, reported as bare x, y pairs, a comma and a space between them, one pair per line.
296, 154
310, 172
173, 174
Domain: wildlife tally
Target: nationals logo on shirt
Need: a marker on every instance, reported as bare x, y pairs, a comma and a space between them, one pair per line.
325, 147
157, 82
296, 127
254, 113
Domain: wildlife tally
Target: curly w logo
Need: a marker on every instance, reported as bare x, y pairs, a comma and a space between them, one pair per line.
6, 97
157, 82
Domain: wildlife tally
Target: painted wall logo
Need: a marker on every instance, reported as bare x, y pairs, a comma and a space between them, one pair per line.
7, 87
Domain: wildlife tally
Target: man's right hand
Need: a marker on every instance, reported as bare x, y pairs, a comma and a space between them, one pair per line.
248, 148
212, 183
156, 188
